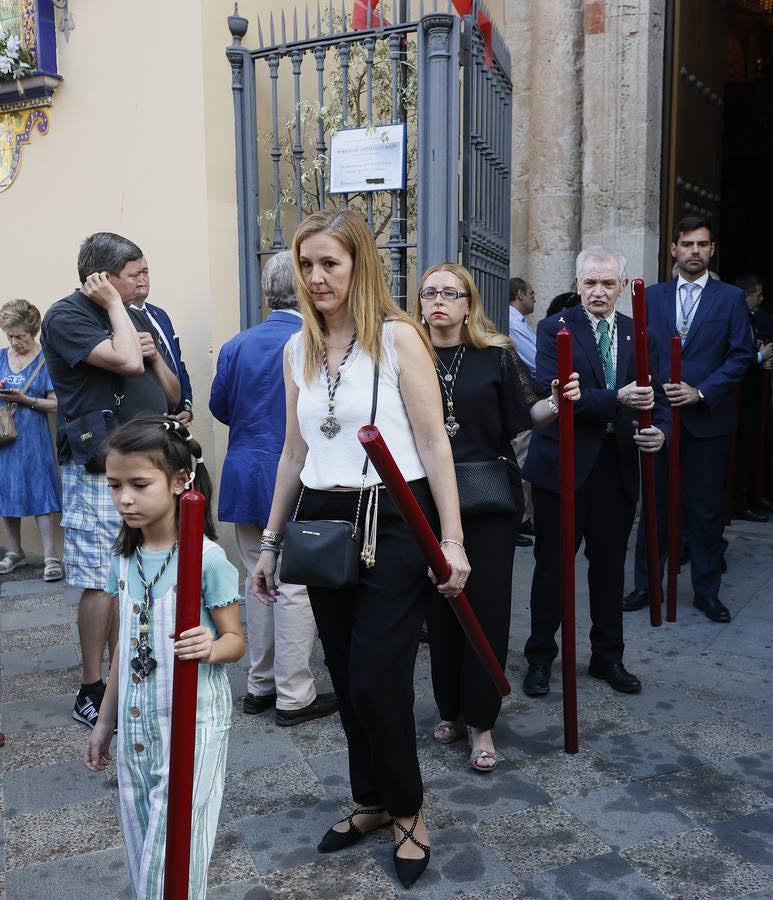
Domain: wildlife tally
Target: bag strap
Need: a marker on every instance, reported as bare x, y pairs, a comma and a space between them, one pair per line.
34, 375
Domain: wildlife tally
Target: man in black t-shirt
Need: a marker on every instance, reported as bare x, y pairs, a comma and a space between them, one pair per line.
105, 368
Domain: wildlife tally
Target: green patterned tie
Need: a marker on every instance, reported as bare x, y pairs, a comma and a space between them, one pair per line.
605, 349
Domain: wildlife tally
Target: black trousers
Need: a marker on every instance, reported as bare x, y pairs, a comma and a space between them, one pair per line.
704, 467
370, 635
603, 517
461, 685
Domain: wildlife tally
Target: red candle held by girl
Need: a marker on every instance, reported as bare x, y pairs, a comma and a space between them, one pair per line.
383, 462
184, 691
566, 466
647, 464
674, 487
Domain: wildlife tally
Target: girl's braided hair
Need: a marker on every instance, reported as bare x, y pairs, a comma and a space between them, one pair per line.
171, 448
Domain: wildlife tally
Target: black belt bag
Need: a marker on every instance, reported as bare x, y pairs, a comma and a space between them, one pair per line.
325, 552
86, 436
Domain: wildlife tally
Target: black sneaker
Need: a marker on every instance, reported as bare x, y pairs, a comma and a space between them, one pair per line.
322, 705
86, 708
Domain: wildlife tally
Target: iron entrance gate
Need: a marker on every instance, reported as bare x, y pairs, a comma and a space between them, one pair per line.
371, 68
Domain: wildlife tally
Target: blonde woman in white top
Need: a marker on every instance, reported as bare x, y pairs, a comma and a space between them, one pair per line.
369, 632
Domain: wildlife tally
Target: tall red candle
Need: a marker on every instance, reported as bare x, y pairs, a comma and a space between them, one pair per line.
184, 690
647, 465
383, 462
674, 487
566, 487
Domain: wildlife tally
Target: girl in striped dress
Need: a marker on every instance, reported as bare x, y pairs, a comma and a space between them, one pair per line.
149, 461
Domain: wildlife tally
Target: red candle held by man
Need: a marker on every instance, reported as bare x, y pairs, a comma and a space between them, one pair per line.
184, 691
566, 463
674, 487
647, 465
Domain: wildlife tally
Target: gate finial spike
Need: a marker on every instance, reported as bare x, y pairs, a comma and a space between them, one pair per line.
421, 9
330, 24
343, 18
260, 34
295, 24
271, 35
319, 20
284, 30
308, 35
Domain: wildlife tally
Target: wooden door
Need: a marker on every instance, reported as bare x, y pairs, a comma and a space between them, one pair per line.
692, 133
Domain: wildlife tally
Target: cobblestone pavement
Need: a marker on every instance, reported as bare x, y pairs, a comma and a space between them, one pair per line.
671, 794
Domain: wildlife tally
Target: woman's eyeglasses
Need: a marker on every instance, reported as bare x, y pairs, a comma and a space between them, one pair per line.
430, 293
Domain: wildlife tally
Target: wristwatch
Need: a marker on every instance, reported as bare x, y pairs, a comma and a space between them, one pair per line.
700, 394
553, 405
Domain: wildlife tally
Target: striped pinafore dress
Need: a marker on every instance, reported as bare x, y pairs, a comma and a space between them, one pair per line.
144, 734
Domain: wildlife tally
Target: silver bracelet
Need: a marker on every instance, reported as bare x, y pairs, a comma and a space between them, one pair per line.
452, 541
552, 404
272, 537
272, 548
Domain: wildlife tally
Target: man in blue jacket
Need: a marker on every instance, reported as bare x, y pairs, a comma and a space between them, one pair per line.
248, 396
158, 323
712, 321
606, 468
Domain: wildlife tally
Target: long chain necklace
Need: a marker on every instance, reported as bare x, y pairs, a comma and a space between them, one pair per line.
143, 663
330, 426
448, 376
686, 315
448, 383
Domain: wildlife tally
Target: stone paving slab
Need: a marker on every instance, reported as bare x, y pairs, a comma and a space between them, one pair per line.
627, 815
690, 760
607, 876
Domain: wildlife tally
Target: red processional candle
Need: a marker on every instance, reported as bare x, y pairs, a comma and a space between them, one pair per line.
647, 464
566, 495
383, 461
184, 691
674, 487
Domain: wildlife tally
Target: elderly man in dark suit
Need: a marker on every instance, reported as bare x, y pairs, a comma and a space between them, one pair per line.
607, 446
712, 320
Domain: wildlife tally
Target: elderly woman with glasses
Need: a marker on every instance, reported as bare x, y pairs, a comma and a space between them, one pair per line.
487, 400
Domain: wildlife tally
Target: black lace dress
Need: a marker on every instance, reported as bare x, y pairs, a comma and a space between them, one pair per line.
491, 395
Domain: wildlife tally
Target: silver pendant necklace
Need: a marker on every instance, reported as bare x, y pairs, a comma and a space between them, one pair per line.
448, 377
448, 383
330, 426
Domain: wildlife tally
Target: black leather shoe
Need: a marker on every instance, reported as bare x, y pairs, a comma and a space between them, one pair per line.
712, 608
257, 703
527, 527
537, 680
523, 541
635, 600
340, 840
321, 705
748, 516
615, 675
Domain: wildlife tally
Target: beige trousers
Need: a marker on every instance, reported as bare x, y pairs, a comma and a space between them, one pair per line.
279, 636
521, 449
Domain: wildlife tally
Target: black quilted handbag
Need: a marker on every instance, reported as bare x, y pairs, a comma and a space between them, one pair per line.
484, 488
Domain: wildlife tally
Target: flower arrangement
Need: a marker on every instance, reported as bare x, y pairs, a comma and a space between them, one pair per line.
15, 61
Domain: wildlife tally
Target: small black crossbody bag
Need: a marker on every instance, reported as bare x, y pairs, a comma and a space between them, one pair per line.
325, 552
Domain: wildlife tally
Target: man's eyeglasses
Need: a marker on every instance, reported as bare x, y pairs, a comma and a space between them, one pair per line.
430, 293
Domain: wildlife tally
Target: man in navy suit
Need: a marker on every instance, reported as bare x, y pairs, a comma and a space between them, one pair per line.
169, 344
607, 446
712, 320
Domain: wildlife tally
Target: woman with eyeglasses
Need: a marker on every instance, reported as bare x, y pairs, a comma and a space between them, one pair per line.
487, 400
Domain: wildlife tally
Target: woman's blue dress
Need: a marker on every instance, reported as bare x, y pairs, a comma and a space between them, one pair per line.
29, 483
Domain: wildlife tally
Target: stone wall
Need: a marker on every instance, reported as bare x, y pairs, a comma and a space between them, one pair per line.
587, 86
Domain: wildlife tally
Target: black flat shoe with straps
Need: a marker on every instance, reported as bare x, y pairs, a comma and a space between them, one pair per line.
340, 840
409, 870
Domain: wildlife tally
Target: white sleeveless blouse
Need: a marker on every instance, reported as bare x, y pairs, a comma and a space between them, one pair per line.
337, 462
